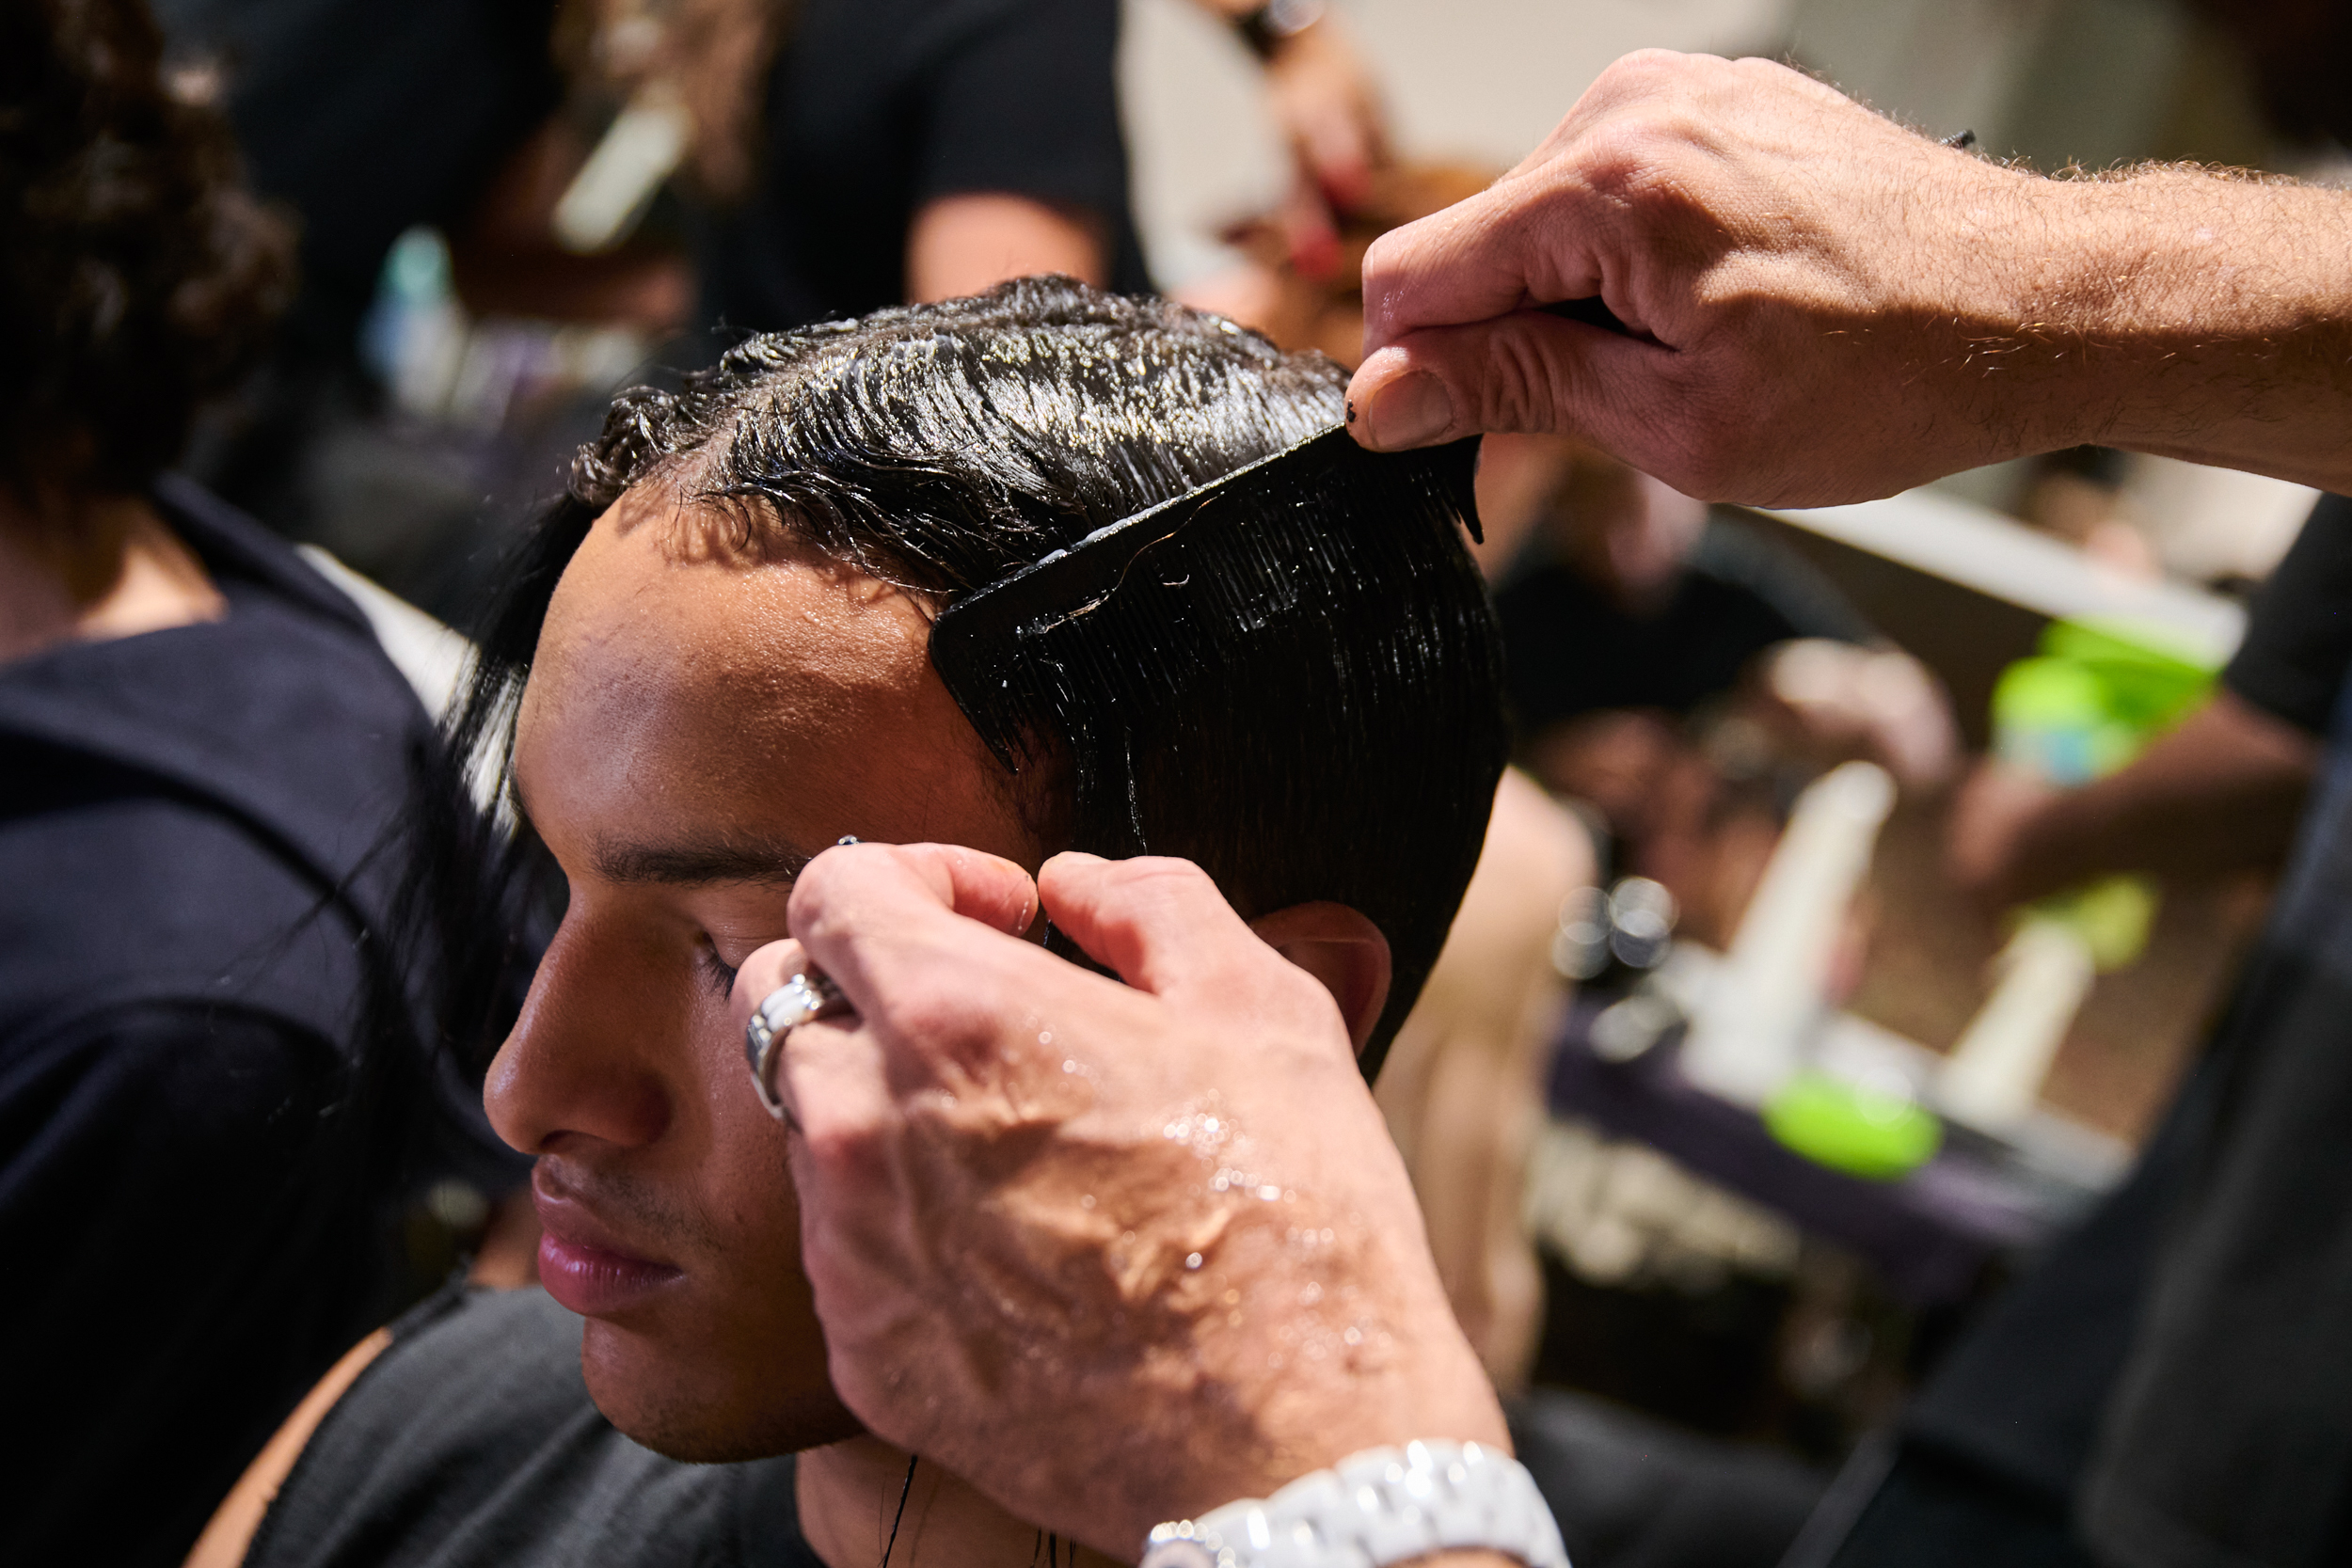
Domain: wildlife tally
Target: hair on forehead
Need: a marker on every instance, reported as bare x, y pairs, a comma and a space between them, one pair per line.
993, 429
1338, 738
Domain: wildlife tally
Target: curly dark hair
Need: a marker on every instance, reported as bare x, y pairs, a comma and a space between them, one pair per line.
139, 277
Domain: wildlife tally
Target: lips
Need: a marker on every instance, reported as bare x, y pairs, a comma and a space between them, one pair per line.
583, 1264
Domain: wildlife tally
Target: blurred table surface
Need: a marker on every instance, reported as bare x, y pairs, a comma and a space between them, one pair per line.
1966, 592
1929, 1234
1927, 970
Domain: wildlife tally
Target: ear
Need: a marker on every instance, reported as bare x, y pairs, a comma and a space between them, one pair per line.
1340, 948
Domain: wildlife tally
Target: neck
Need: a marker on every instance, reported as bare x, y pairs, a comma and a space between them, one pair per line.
88, 568
848, 1497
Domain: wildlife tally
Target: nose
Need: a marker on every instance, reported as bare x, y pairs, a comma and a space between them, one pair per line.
585, 1060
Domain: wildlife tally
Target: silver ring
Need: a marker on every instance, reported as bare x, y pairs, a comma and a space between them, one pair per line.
804, 998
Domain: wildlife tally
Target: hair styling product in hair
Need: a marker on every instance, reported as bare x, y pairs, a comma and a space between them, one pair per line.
1257, 646
1268, 594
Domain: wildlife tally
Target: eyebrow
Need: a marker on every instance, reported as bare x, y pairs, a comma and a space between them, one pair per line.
696, 861
684, 863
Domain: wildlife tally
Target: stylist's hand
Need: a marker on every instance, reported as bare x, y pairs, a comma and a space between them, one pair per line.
1818, 298
1113, 1254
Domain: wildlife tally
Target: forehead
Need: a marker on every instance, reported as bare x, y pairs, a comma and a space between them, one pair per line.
678, 687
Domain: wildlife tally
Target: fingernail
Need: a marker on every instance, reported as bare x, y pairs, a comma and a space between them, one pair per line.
1409, 411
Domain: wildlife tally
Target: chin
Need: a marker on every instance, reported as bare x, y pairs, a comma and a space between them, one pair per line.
706, 1410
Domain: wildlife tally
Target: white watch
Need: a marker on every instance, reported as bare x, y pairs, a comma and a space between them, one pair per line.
1379, 1507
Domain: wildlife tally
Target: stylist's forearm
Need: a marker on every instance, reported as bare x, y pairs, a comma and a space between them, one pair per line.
2201, 317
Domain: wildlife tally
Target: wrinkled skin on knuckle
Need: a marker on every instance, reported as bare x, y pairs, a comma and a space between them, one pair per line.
1646, 73
1620, 163
818, 895
1169, 880
1666, 186
845, 1153
1152, 893
1517, 384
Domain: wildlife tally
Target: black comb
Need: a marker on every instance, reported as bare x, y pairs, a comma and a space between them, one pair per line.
980, 642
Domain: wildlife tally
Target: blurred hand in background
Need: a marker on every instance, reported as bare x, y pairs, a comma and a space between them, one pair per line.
2220, 793
1322, 99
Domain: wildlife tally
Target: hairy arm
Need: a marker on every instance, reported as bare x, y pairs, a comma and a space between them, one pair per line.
2221, 793
1822, 305
961, 245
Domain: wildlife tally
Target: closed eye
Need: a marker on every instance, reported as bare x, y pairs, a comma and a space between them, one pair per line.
717, 971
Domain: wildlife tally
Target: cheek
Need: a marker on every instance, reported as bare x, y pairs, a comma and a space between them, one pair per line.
749, 1193
752, 1211
745, 1182
735, 1367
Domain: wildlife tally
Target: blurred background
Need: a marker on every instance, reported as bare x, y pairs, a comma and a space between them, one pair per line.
1774, 1039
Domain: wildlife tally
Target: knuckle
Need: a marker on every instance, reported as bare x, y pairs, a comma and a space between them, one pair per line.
1516, 385
1644, 164
842, 1149
1168, 873
930, 1017
814, 904
1152, 887
1645, 68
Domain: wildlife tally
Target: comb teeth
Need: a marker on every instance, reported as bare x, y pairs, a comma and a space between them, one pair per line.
1198, 580
1290, 677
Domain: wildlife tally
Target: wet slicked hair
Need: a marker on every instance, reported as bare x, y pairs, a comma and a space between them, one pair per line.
943, 448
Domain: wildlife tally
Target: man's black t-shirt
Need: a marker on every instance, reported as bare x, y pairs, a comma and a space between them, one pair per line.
876, 107
2299, 636
2179, 1328
470, 1442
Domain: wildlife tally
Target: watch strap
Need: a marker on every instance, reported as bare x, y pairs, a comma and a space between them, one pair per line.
1380, 1507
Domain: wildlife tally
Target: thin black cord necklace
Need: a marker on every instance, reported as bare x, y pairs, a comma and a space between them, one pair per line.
1049, 1544
904, 1487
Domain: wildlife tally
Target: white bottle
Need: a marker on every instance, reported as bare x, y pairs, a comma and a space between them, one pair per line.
1765, 1001
1992, 1077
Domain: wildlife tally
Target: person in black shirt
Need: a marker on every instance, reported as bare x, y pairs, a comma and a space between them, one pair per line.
213, 1093
906, 150
2051, 1410
916, 150
468, 1440
2224, 790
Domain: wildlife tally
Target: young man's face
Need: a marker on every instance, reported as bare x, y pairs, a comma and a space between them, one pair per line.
693, 729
